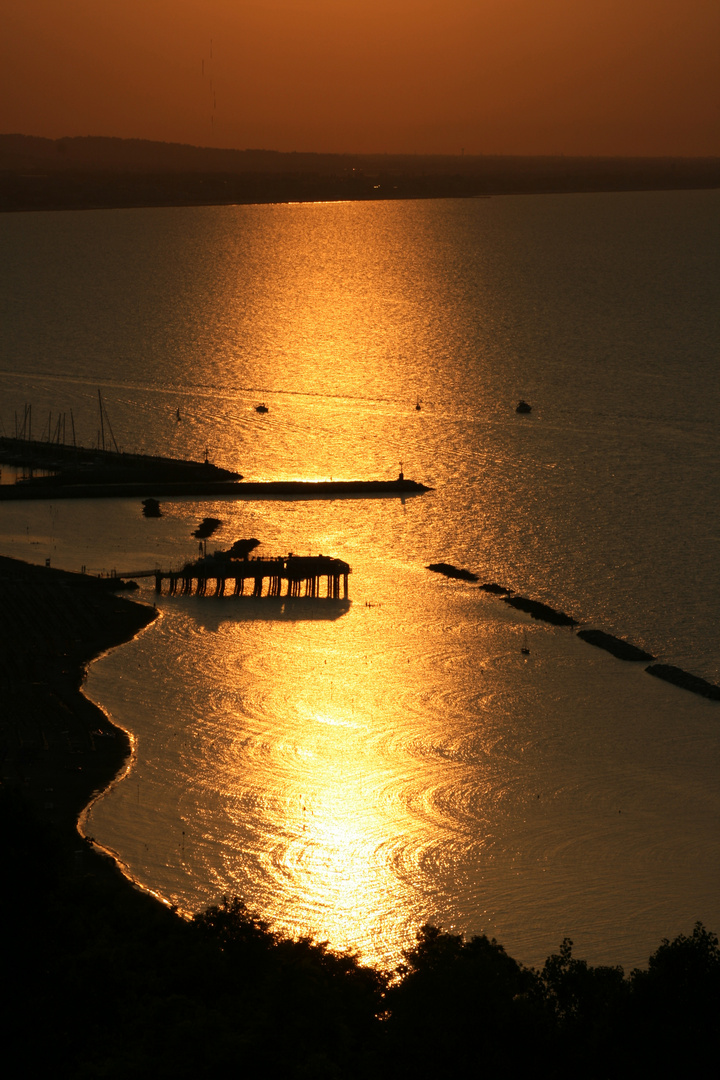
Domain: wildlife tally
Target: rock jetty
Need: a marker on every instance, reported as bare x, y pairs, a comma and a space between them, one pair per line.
452, 571
540, 611
685, 680
622, 649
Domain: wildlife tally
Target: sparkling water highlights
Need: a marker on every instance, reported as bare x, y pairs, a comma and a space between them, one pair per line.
354, 769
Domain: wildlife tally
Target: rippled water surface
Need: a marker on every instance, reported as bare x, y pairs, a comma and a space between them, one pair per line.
354, 769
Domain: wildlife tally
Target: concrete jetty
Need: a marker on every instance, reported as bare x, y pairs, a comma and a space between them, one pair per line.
216, 489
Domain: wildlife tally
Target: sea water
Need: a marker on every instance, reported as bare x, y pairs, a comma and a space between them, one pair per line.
356, 769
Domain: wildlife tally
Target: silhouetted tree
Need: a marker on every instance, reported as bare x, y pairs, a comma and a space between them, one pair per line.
463, 1005
120, 986
676, 1004
307, 1003
587, 1004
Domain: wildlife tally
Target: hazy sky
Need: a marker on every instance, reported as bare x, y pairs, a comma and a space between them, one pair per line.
489, 76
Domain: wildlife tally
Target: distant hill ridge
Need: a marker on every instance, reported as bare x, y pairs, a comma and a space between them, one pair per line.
98, 152
92, 172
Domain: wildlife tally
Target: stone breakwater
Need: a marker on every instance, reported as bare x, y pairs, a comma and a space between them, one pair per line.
685, 680
622, 649
537, 610
618, 647
452, 571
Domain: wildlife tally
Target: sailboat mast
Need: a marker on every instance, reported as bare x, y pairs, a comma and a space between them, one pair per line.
102, 424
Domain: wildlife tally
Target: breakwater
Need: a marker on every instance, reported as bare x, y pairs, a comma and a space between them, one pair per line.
617, 647
537, 610
623, 650
452, 571
685, 680
271, 489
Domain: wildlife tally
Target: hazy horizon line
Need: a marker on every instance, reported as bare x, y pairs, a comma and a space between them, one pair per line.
358, 154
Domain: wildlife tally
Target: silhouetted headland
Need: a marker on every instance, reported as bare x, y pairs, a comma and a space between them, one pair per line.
53, 624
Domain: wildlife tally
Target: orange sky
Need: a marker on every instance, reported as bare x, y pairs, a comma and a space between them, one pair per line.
424, 76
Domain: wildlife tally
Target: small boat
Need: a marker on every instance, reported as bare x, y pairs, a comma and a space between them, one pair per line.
207, 527
261, 408
523, 407
178, 417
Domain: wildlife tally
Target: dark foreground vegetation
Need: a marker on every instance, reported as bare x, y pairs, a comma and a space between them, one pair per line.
106, 982
95, 172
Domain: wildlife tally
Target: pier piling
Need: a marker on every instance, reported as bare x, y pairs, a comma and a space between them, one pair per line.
302, 574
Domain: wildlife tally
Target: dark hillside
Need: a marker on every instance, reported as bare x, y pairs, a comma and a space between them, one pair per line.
92, 172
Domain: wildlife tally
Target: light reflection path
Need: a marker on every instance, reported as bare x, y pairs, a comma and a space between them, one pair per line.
354, 777
564, 795
330, 820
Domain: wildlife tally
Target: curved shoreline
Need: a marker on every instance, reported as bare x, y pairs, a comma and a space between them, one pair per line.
61, 748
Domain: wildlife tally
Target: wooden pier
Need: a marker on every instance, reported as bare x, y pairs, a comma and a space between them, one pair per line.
265, 577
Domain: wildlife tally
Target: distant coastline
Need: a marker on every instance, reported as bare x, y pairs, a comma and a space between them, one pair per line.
107, 173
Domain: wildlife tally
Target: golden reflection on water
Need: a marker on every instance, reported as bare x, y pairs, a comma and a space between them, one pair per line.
328, 788
353, 777
352, 772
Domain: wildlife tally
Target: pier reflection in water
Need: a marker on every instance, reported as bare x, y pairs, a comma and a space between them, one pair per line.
273, 609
